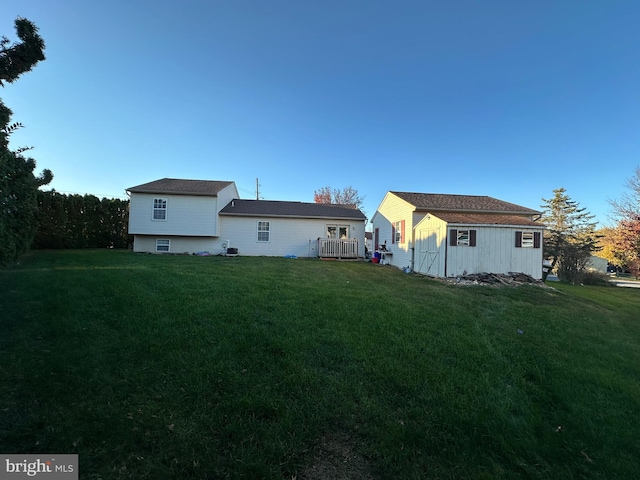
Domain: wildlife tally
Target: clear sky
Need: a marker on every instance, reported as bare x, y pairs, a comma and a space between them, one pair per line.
508, 98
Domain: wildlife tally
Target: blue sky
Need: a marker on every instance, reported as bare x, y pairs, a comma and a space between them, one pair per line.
510, 99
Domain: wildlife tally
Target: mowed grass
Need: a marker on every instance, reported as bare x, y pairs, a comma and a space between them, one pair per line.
178, 367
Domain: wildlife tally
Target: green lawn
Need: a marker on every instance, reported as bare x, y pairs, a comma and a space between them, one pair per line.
178, 367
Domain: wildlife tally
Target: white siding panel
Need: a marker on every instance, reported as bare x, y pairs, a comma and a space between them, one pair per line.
147, 243
186, 215
495, 253
288, 236
393, 209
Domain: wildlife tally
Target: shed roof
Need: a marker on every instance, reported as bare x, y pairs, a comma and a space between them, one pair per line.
461, 203
273, 208
486, 219
177, 186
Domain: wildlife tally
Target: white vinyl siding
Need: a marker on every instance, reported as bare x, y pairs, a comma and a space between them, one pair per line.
185, 215
287, 236
392, 213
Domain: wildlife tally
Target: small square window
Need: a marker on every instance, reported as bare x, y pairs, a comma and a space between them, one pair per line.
463, 237
527, 239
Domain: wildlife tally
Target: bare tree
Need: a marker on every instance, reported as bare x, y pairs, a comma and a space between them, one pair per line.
346, 196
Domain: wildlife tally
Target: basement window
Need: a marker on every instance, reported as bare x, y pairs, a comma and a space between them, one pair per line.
163, 245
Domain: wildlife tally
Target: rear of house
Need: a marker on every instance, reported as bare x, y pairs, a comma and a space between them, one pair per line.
177, 216
280, 228
190, 216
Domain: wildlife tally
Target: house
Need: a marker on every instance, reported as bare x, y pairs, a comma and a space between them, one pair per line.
450, 235
190, 216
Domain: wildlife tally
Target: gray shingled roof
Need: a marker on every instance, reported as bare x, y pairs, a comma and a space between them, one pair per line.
177, 186
434, 202
272, 208
486, 219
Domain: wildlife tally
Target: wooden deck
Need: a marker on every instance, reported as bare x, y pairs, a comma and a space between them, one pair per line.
337, 248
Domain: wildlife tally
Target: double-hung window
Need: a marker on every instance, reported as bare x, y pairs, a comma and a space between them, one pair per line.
159, 209
263, 232
397, 232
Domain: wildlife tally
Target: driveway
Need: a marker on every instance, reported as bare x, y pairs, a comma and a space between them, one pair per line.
620, 282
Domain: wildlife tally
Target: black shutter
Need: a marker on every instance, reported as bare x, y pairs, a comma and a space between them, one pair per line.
453, 237
472, 238
536, 239
518, 239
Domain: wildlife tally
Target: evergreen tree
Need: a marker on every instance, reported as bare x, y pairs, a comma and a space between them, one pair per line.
18, 184
570, 237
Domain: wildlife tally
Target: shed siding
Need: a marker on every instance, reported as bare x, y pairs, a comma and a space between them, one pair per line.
393, 209
186, 215
287, 236
495, 252
430, 246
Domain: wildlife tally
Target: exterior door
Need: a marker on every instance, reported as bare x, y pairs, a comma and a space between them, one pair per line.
428, 252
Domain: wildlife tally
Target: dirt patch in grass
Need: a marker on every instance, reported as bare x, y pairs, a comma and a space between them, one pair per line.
335, 457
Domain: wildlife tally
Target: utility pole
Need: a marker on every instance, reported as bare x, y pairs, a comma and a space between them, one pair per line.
257, 190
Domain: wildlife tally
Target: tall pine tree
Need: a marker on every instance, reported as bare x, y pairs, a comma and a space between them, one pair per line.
570, 237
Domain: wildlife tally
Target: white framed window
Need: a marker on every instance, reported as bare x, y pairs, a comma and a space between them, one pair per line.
462, 238
398, 232
528, 239
159, 209
263, 232
338, 231
163, 245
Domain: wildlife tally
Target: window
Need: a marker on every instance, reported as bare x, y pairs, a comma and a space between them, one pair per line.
397, 233
462, 238
159, 209
263, 231
528, 239
337, 231
163, 245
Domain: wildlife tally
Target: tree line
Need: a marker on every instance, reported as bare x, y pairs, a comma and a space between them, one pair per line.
80, 221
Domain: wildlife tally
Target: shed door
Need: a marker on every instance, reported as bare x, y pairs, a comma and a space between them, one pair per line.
428, 252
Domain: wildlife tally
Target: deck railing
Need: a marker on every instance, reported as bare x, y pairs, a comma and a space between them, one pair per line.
338, 248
